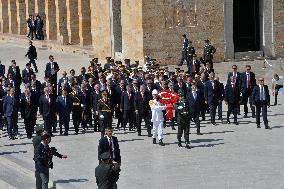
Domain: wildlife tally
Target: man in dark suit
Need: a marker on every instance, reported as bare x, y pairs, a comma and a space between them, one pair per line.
10, 110
220, 102
83, 76
95, 96
194, 66
180, 86
184, 50
15, 71
2, 70
29, 111
32, 27
127, 107
63, 83
232, 99
237, 76
261, 99
119, 90
32, 55
194, 100
26, 73
86, 106
212, 95
200, 86
47, 108
64, 108
51, 70
247, 83
142, 109
109, 143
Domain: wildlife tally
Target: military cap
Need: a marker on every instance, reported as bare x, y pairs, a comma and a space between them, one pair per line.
194, 55
105, 156
206, 41
184, 35
108, 58
39, 128
112, 60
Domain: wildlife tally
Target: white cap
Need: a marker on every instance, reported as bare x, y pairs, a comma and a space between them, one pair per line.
154, 92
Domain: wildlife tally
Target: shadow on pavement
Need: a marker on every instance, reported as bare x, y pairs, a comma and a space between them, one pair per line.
71, 180
6, 153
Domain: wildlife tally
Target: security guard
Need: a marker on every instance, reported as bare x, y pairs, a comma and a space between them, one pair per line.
183, 119
104, 112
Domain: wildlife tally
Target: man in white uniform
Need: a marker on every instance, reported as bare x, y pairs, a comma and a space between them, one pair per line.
157, 118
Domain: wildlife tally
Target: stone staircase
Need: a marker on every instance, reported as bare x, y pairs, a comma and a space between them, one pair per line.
249, 55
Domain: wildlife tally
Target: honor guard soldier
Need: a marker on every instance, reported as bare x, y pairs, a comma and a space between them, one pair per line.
190, 51
76, 109
104, 112
183, 120
209, 51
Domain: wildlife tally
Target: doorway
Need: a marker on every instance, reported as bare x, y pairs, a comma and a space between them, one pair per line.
246, 25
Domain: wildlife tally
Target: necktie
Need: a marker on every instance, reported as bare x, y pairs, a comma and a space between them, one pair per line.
110, 148
64, 100
194, 95
193, 66
261, 93
129, 96
248, 81
142, 94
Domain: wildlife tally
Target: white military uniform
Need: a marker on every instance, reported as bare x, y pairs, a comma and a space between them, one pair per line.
157, 119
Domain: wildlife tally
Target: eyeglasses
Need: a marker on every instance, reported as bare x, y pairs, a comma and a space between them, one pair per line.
234, 68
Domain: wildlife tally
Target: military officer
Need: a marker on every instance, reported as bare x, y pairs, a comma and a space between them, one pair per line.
209, 51
104, 112
76, 109
184, 50
183, 120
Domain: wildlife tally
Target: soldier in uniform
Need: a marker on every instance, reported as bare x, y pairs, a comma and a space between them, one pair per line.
190, 51
107, 173
183, 120
104, 112
209, 51
76, 109
184, 50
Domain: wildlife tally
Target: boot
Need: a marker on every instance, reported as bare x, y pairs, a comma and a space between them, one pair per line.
179, 143
187, 145
161, 142
61, 132
154, 141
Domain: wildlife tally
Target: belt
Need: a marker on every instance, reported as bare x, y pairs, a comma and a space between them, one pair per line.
76, 104
184, 113
106, 110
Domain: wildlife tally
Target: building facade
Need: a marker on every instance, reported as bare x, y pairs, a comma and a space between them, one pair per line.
136, 28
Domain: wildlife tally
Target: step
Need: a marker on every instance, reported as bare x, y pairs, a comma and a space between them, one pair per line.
249, 55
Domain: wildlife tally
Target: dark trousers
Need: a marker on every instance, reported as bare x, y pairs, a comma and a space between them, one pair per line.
261, 105
32, 32
29, 125
85, 119
42, 180
248, 98
232, 108
12, 124
119, 116
77, 117
183, 127
277, 88
220, 109
105, 122
183, 57
64, 120
48, 123
213, 107
195, 117
147, 121
203, 109
32, 61
128, 117
39, 34
96, 122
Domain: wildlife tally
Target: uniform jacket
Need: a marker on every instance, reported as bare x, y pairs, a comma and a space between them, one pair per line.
157, 112
29, 106
232, 95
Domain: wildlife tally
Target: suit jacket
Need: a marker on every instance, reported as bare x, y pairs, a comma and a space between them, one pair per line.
16, 74
81, 77
10, 105
47, 107
238, 78
232, 95
64, 108
48, 70
212, 95
94, 100
194, 104
27, 75
256, 94
243, 81
118, 94
104, 146
32, 54
126, 102
142, 104
2, 70
85, 101
29, 106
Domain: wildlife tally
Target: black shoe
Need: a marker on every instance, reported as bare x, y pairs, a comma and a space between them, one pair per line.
149, 135
154, 141
179, 144
253, 116
258, 126
228, 122
214, 123
245, 116
199, 133
236, 123
187, 145
10, 138
203, 119
161, 143
139, 134
173, 128
219, 118
76, 133
267, 127
274, 104
65, 134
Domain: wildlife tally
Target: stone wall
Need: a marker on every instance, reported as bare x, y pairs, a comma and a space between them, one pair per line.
278, 27
164, 22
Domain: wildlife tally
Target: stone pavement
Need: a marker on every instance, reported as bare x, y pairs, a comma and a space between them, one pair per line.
225, 157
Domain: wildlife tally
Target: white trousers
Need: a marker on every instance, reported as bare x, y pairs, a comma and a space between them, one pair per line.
157, 129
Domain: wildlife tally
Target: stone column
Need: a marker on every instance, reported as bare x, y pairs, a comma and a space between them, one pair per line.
72, 21
84, 12
12, 12
4, 17
40, 10
228, 28
61, 20
116, 35
50, 12
100, 14
21, 17
132, 31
